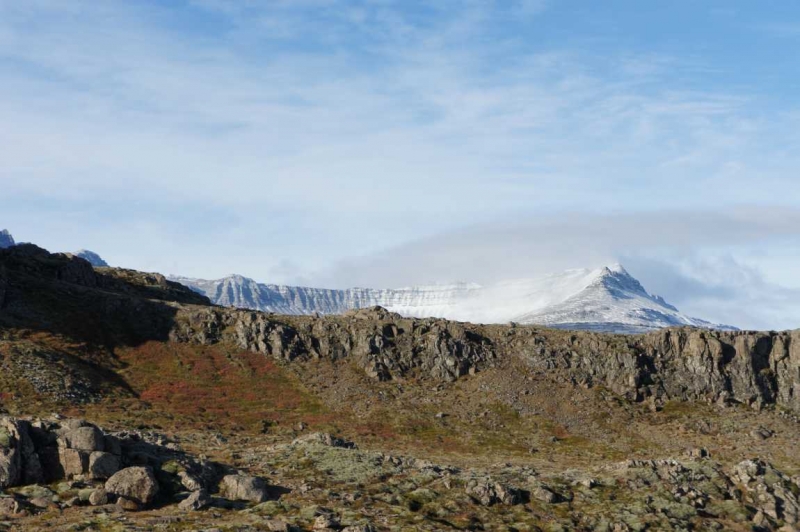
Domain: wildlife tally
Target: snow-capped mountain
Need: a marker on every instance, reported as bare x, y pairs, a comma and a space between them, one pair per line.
6, 240
93, 258
608, 299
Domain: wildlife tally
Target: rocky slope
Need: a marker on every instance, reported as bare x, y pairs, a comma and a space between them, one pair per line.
609, 299
459, 426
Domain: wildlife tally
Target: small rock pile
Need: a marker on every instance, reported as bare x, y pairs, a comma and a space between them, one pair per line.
128, 469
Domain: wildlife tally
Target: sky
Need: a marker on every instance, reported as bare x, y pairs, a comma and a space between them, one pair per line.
393, 142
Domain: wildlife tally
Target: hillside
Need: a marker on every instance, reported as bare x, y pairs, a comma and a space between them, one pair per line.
459, 426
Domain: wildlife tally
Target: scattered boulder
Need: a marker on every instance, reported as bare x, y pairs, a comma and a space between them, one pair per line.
135, 484
198, 500
87, 438
9, 507
102, 465
244, 488
129, 505
74, 463
360, 528
328, 440
771, 492
189, 481
325, 522
489, 493
98, 497
544, 494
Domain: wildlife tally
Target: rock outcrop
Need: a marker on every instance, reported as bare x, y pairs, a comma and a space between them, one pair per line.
127, 468
6, 240
755, 368
38, 289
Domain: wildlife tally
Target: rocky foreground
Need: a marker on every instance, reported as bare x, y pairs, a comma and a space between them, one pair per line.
217, 418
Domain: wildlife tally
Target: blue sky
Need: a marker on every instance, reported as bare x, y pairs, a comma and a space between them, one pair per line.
339, 142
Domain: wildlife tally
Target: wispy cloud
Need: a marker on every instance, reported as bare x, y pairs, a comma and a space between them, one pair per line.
314, 130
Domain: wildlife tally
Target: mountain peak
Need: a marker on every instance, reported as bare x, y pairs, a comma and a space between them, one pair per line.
92, 258
607, 299
617, 268
6, 240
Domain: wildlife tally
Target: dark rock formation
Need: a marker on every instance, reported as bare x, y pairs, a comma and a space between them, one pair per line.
6, 240
755, 368
66, 295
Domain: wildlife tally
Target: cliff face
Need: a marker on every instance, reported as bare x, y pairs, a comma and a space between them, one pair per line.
755, 368
64, 294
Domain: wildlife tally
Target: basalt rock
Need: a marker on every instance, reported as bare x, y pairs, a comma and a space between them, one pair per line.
685, 364
113, 306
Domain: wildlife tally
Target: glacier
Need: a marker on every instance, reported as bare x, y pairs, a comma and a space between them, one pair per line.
608, 299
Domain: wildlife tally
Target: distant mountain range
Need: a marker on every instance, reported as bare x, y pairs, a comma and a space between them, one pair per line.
93, 258
7, 241
608, 299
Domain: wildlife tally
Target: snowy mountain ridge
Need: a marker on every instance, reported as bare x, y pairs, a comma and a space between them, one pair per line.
605, 299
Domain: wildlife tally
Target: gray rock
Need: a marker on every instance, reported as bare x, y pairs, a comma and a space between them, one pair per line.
544, 494
136, 484
243, 488
102, 465
74, 463
87, 439
189, 481
489, 493
41, 502
325, 439
325, 522
196, 501
769, 490
129, 505
10, 455
19, 463
360, 528
98, 497
9, 507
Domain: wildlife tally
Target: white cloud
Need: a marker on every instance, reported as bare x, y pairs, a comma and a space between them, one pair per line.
315, 130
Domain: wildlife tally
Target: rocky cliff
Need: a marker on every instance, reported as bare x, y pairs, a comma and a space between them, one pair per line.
755, 368
459, 426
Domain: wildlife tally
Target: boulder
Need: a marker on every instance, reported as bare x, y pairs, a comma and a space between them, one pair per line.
243, 488
489, 493
196, 501
98, 497
360, 528
189, 481
136, 484
88, 438
325, 522
10, 456
129, 505
19, 463
102, 465
74, 463
328, 440
9, 507
544, 494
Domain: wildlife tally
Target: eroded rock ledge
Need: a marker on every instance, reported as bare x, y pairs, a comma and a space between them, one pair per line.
756, 368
